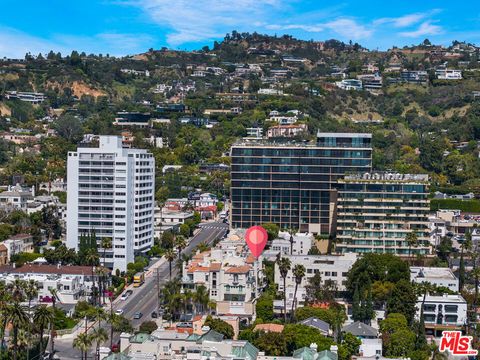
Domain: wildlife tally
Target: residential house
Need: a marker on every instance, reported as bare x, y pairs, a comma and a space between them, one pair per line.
350, 84
20, 243
286, 131
371, 343
4, 259
17, 196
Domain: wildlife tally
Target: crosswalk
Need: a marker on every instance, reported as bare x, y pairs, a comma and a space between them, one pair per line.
213, 227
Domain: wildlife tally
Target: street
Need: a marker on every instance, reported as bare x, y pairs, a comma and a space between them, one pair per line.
144, 299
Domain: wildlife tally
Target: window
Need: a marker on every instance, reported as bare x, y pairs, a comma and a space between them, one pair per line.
451, 318
429, 307
451, 308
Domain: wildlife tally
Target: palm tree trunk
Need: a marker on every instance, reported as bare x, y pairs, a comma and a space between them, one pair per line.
2, 334
285, 300
41, 339
111, 322
294, 301
15, 341
52, 327
170, 269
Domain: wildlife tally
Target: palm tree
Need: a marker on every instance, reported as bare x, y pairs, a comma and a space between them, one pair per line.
31, 291
101, 273
17, 288
284, 265
42, 318
99, 336
291, 232
18, 317
180, 243
186, 299
412, 240
98, 314
298, 273
106, 243
83, 342
5, 300
201, 298
170, 256
91, 258
52, 323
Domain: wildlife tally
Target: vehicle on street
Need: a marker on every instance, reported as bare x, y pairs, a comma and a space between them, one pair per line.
126, 294
138, 279
154, 315
119, 312
137, 315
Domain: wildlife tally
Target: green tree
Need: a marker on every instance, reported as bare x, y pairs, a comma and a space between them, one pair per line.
403, 300
412, 241
350, 346
148, 327
83, 342
99, 336
273, 344
185, 230
401, 343
272, 230
220, 326
299, 336
357, 314
264, 308
17, 316
69, 127
42, 318
170, 256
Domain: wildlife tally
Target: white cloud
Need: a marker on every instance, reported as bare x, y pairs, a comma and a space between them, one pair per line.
402, 21
347, 28
15, 44
425, 29
198, 20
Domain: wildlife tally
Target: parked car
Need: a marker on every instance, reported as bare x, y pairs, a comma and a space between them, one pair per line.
154, 315
137, 315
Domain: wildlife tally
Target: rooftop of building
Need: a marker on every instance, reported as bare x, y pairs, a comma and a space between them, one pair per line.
417, 272
360, 329
386, 176
443, 299
47, 269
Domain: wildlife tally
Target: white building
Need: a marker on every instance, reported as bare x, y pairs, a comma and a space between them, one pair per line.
350, 84
441, 311
20, 243
441, 277
448, 74
113, 195
332, 268
17, 197
302, 243
73, 283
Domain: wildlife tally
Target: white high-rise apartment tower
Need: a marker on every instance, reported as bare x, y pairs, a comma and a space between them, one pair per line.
111, 192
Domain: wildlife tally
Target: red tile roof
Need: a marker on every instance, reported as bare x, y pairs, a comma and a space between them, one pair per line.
277, 328
238, 269
47, 269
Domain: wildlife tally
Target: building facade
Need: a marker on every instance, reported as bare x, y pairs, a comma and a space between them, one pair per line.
111, 193
292, 184
376, 211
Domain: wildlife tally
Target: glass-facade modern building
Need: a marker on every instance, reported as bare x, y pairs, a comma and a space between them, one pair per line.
292, 184
376, 211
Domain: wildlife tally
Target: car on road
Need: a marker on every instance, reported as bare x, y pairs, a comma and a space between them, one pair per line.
119, 312
126, 294
137, 315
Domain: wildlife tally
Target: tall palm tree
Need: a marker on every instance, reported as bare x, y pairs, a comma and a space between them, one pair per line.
170, 256
187, 297
101, 273
298, 273
99, 314
18, 317
53, 292
291, 232
99, 336
83, 342
106, 244
284, 265
180, 243
91, 258
42, 318
412, 241
5, 300
31, 291
201, 298
17, 289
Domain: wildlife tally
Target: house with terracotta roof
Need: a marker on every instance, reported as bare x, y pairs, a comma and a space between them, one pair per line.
231, 275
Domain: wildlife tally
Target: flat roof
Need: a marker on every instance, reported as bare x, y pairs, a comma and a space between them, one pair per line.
431, 273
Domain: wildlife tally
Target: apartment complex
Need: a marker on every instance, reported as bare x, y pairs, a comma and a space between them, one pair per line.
111, 193
376, 211
292, 184
333, 269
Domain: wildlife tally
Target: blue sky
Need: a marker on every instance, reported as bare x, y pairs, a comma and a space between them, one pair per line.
121, 27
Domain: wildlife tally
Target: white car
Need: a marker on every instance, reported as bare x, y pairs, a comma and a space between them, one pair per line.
119, 312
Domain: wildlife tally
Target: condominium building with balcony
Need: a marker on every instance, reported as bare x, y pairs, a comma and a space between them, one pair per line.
292, 184
232, 276
376, 212
111, 194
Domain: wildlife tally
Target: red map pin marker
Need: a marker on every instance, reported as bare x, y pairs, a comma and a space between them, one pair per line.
256, 238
